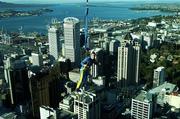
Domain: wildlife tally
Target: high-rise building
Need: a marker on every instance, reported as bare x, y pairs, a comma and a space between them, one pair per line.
87, 105
45, 88
159, 76
142, 106
128, 64
96, 69
136, 61
72, 40
113, 47
54, 42
37, 59
124, 64
16, 76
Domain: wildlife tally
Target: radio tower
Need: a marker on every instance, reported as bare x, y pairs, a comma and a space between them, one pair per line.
87, 42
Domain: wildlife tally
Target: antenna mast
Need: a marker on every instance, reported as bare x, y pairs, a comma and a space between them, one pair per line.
86, 26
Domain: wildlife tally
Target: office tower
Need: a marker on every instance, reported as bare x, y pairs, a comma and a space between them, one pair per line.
96, 69
72, 40
136, 61
87, 106
142, 106
16, 76
159, 76
37, 59
54, 43
45, 89
124, 64
113, 47
65, 66
128, 64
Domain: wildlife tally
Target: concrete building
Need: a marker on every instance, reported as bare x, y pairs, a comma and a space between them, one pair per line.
124, 63
72, 40
159, 76
152, 24
54, 43
113, 47
105, 45
45, 90
136, 61
142, 106
50, 113
67, 104
173, 100
16, 76
37, 59
47, 113
97, 70
149, 40
163, 90
128, 64
87, 105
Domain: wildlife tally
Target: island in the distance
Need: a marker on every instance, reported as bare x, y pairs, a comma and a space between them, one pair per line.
163, 7
17, 13
9, 10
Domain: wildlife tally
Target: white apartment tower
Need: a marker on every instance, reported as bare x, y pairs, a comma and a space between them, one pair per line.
72, 40
128, 64
54, 43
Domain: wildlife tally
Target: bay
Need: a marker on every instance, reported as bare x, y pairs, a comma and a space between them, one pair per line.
109, 11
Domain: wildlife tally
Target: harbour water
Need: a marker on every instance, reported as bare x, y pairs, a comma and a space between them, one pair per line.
114, 11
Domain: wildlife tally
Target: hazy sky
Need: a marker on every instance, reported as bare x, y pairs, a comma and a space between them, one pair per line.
73, 1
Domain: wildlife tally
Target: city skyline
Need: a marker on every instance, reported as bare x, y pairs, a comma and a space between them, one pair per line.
65, 59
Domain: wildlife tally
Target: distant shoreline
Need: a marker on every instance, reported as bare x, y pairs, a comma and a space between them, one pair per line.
162, 7
16, 13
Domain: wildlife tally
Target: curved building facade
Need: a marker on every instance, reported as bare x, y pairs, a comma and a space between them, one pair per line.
72, 39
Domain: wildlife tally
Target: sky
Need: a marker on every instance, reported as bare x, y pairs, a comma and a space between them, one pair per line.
73, 1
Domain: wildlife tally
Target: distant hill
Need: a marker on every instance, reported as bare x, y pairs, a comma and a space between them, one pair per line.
9, 5
5, 4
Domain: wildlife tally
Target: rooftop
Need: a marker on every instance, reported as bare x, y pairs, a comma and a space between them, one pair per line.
159, 69
52, 29
9, 115
165, 87
71, 20
86, 96
142, 96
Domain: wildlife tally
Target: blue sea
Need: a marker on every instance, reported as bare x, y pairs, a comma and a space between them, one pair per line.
109, 11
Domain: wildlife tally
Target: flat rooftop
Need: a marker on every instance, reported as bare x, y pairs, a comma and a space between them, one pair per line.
142, 96
166, 87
